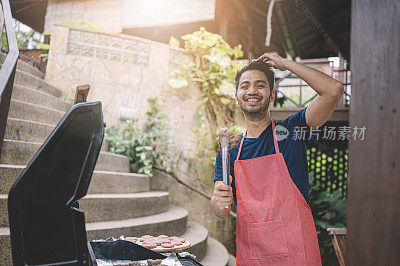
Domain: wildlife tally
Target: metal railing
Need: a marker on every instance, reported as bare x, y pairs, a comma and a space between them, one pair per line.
293, 90
30, 61
7, 71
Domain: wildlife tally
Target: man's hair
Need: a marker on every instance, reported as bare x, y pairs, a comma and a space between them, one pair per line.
257, 65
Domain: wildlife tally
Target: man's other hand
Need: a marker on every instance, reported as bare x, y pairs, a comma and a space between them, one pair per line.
222, 198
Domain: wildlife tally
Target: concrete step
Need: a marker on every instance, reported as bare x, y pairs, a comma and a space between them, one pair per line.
117, 182
36, 83
21, 152
217, 254
17, 152
197, 235
34, 112
171, 222
23, 66
5, 247
8, 175
25, 130
3, 211
113, 162
102, 181
111, 207
28, 95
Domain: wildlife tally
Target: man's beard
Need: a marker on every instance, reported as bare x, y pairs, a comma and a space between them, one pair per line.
256, 115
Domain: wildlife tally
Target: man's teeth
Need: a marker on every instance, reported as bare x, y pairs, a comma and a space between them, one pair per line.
253, 100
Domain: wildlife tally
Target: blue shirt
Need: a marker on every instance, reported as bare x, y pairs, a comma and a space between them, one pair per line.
293, 148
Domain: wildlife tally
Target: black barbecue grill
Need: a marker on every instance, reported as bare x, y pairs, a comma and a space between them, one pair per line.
46, 225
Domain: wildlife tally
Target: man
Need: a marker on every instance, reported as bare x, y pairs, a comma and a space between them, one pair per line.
269, 178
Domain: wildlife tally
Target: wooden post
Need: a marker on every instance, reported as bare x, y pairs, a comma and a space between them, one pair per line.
81, 93
341, 78
223, 8
374, 185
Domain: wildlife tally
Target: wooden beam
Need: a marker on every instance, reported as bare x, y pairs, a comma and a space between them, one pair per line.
28, 6
285, 31
374, 184
222, 17
293, 35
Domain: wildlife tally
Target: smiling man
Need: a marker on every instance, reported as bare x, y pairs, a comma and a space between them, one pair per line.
269, 178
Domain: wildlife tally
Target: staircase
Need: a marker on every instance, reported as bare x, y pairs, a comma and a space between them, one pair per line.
118, 202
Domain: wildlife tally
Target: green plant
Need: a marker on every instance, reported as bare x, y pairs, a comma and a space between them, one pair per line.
145, 146
46, 47
211, 64
329, 210
82, 24
69, 95
26, 37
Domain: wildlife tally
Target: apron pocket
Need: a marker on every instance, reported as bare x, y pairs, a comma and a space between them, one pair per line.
267, 240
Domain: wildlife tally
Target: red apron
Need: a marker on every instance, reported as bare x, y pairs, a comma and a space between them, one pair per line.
274, 222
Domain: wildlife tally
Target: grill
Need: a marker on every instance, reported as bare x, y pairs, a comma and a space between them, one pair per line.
46, 224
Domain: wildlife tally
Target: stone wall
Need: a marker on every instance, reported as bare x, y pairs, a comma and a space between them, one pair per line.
123, 71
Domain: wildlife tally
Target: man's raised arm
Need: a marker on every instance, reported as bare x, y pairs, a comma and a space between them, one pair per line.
329, 89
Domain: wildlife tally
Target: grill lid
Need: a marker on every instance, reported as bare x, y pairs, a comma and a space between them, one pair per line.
46, 225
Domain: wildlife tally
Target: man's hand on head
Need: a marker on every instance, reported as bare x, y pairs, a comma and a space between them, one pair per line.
274, 60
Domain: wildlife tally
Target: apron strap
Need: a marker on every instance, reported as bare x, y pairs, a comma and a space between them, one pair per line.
274, 137
241, 145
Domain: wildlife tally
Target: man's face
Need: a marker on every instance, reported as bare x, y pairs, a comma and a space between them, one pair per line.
253, 93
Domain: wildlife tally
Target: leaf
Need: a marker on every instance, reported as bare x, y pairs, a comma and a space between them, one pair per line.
322, 224
224, 61
177, 82
140, 148
174, 42
311, 177
44, 46
225, 101
227, 88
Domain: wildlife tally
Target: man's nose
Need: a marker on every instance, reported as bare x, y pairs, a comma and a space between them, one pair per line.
253, 88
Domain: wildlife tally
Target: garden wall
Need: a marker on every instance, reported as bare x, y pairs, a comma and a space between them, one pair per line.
123, 71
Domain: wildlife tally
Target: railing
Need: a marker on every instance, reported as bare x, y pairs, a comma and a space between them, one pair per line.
192, 188
294, 92
30, 61
7, 71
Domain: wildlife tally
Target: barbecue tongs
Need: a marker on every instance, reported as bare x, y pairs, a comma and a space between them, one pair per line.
225, 161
